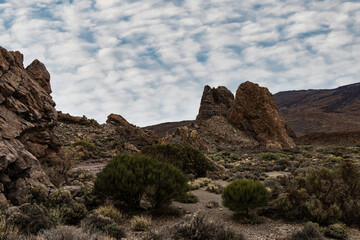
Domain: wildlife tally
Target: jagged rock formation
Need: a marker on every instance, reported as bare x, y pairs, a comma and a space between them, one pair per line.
251, 120
27, 118
255, 112
130, 133
317, 115
215, 102
164, 129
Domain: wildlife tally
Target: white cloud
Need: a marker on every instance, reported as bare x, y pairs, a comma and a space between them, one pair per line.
149, 60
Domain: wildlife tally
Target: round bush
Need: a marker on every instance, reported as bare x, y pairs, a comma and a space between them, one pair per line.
187, 159
243, 194
128, 177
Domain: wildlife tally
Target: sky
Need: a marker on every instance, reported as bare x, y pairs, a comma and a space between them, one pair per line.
149, 60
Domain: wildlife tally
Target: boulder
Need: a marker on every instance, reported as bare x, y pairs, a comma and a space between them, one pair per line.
130, 133
255, 112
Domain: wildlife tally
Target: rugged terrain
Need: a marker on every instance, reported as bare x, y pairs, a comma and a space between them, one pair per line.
323, 116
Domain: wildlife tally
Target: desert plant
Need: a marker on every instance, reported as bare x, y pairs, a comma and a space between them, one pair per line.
69, 233
201, 228
95, 223
59, 197
187, 197
140, 223
187, 159
244, 194
308, 232
337, 231
72, 214
128, 177
109, 211
164, 182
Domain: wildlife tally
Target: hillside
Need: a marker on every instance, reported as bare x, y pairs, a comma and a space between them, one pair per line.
323, 112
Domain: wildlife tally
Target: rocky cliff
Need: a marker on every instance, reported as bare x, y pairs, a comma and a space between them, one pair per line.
255, 112
250, 120
27, 119
215, 102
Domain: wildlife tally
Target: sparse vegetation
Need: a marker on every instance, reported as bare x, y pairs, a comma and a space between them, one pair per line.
128, 177
140, 223
242, 195
187, 159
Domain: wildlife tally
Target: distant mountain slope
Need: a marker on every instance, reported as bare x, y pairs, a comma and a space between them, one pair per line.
167, 128
321, 111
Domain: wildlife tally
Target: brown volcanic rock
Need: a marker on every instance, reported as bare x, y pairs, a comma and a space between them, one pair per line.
215, 102
212, 135
130, 133
255, 113
27, 118
327, 113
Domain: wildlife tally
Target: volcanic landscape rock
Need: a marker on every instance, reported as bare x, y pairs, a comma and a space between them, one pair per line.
215, 102
27, 118
256, 113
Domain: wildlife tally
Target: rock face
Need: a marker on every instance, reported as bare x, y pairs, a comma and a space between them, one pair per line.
27, 118
255, 112
215, 102
130, 133
250, 120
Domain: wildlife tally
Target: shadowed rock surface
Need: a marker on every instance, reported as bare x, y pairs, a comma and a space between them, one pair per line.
27, 119
215, 102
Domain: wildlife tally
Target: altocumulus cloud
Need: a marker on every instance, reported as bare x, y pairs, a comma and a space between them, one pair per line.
148, 60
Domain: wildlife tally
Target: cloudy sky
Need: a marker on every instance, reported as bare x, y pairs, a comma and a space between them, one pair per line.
149, 60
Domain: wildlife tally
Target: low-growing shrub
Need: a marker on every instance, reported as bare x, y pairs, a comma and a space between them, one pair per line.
95, 223
59, 197
72, 214
201, 228
326, 196
70, 233
110, 211
140, 223
128, 177
187, 197
187, 159
308, 232
244, 194
337, 231
269, 156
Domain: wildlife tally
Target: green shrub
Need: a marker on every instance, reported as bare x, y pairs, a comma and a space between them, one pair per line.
110, 211
326, 196
59, 197
308, 232
337, 231
128, 177
140, 223
187, 197
187, 159
269, 156
72, 214
244, 194
201, 228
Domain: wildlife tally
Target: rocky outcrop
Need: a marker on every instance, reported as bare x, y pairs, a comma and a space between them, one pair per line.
255, 112
67, 118
250, 120
27, 118
211, 135
130, 133
215, 102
